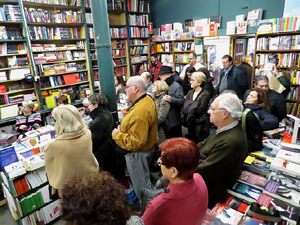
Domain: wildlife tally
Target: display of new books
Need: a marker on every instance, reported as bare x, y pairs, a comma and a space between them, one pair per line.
245, 191
285, 166
292, 124
252, 179
285, 180
283, 193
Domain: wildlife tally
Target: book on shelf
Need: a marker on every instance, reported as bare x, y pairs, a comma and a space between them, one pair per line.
252, 179
9, 111
283, 193
245, 191
286, 180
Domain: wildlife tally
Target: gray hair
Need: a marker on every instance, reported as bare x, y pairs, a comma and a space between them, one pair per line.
232, 104
147, 75
99, 99
68, 119
259, 78
29, 104
138, 81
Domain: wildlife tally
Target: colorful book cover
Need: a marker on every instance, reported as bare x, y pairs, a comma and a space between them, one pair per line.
245, 192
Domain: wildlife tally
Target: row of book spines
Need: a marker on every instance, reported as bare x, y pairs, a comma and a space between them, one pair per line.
293, 108
284, 59
57, 2
118, 32
294, 93
137, 32
139, 50
120, 70
138, 20
279, 43
62, 79
66, 17
138, 6
41, 33
11, 15
285, 24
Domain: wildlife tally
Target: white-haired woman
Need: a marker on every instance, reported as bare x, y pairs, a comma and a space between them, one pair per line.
195, 108
28, 120
71, 152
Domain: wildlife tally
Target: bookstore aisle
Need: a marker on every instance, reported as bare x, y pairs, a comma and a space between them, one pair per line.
6, 218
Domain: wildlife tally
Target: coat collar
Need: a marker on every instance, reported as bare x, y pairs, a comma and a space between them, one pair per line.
68, 136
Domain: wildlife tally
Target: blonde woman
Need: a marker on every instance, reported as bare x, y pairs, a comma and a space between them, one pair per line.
71, 152
195, 108
160, 89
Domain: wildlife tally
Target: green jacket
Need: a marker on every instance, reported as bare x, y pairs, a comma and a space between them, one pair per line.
224, 155
138, 129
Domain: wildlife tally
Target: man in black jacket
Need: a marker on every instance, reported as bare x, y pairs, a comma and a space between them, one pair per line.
231, 78
276, 100
175, 97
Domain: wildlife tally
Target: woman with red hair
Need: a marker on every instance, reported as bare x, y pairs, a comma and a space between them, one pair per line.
186, 193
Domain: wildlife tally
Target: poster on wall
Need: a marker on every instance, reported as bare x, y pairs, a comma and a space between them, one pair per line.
291, 8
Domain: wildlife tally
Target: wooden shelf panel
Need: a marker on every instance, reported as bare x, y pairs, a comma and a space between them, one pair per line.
61, 86
183, 63
59, 50
17, 103
119, 57
9, 81
12, 68
50, 6
183, 51
164, 52
56, 24
66, 61
291, 100
116, 11
17, 91
56, 74
279, 34
120, 66
137, 45
12, 54
278, 51
11, 22
56, 40
8, 40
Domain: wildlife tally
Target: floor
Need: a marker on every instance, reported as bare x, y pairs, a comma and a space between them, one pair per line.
7, 219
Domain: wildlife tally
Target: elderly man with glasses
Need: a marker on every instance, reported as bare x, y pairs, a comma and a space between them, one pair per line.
223, 152
137, 133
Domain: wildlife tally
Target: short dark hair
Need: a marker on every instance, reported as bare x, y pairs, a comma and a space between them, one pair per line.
259, 78
62, 100
190, 69
227, 57
181, 153
193, 54
94, 198
120, 80
154, 55
99, 99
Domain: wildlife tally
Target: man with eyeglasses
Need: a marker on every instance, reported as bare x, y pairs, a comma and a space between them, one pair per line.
224, 152
137, 133
192, 62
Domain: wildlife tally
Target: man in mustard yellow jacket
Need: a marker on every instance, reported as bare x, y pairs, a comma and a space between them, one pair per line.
138, 133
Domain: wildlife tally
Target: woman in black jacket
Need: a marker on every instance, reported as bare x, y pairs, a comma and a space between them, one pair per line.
258, 102
195, 108
101, 128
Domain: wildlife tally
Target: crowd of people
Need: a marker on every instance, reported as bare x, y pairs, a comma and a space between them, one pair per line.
223, 125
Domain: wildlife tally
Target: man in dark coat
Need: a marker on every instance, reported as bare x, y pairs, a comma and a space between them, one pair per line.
231, 78
175, 97
223, 152
276, 100
247, 68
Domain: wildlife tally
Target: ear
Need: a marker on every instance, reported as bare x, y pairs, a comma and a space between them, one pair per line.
174, 172
226, 114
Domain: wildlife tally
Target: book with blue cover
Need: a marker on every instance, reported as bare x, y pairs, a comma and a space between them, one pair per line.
245, 191
7, 156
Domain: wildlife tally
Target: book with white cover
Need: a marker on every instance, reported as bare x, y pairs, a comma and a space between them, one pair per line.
289, 156
285, 166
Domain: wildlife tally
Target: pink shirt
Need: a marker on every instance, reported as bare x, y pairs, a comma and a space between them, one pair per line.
183, 204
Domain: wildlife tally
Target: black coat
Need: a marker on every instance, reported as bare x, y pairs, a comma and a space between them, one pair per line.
248, 71
103, 148
209, 86
236, 81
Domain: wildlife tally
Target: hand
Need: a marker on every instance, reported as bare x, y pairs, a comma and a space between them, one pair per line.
167, 98
275, 71
23, 127
115, 130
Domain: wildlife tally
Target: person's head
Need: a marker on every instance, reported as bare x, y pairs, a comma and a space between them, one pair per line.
165, 72
147, 77
119, 80
258, 97
247, 59
153, 58
192, 58
86, 104
205, 71
179, 158
160, 86
261, 82
68, 119
96, 100
27, 107
94, 198
225, 109
62, 100
135, 87
189, 71
197, 80
140, 68
172, 65
227, 61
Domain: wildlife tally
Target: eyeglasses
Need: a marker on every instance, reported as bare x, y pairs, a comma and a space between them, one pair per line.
192, 80
127, 87
214, 109
159, 162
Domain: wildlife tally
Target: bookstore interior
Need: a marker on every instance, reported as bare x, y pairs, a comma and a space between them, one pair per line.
48, 50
